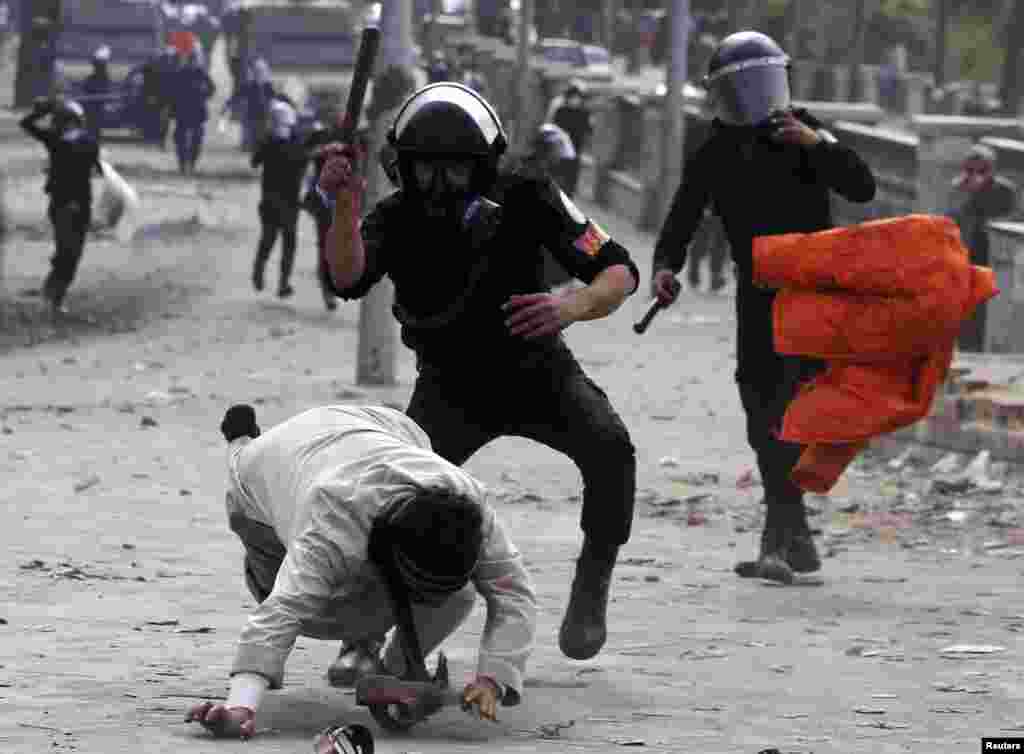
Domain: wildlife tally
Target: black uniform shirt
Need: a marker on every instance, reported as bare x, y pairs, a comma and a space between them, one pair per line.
439, 274
284, 164
758, 188
74, 155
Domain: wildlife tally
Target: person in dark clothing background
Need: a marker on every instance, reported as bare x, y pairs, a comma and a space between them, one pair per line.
467, 279
979, 196
74, 157
709, 241
574, 117
766, 169
96, 88
192, 90
284, 159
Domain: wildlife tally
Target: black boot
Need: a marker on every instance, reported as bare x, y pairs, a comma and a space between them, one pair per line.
583, 630
355, 660
803, 555
773, 559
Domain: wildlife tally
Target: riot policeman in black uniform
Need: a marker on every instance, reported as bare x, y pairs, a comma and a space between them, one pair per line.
284, 158
485, 329
766, 169
74, 157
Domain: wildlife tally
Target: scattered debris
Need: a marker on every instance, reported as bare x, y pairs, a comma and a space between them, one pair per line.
90, 481
968, 650
947, 464
903, 459
553, 730
148, 421
199, 630
747, 479
668, 463
884, 725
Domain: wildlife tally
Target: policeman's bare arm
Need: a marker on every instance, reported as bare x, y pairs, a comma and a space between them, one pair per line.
346, 256
604, 295
845, 172
684, 216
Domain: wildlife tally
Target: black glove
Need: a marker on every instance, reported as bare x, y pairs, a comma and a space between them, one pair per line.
239, 421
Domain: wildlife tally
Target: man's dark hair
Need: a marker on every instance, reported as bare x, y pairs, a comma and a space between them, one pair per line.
434, 536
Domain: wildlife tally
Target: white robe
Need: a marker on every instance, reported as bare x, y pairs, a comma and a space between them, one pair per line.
318, 479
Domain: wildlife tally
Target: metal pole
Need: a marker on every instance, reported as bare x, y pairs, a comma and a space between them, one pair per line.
378, 331
523, 60
795, 27
674, 131
941, 31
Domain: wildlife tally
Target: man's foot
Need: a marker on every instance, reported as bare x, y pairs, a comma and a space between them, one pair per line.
355, 660
584, 628
285, 291
257, 276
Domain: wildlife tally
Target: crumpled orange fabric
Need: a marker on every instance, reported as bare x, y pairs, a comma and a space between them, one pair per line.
881, 302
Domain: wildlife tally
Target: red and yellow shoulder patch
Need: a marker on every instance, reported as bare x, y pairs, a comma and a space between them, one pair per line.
592, 239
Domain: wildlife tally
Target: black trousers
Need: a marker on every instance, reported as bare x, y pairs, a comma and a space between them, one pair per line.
768, 382
278, 216
546, 398
70, 220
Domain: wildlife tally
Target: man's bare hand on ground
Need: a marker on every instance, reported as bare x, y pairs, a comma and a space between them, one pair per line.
483, 694
223, 721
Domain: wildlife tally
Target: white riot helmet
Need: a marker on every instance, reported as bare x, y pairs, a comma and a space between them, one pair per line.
283, 118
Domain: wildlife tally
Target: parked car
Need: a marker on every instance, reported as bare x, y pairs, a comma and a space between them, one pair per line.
592, 63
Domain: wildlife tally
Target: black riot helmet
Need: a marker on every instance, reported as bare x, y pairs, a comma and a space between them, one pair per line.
748, 79
444, 122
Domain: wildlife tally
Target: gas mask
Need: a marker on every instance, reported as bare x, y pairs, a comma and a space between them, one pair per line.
444, 187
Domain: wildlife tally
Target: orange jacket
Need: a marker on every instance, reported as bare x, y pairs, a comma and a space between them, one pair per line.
881, 303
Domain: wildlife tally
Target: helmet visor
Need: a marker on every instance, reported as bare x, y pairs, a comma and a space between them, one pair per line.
748, 93
455, 176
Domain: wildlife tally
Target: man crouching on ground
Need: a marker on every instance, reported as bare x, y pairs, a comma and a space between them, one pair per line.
319, 501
